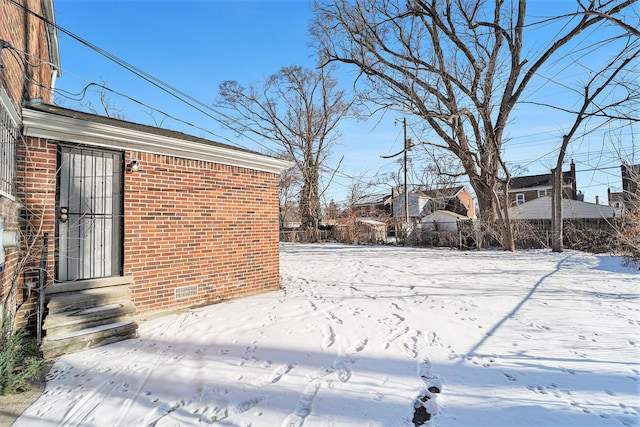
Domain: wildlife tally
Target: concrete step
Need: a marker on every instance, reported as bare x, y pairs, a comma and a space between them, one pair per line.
85, 299
71, 321
87, 314
84, 339
81, 285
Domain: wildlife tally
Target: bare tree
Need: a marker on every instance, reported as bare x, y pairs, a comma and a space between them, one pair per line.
594, 105
289, 193
298, 109
459, 65
439, 170
106, 107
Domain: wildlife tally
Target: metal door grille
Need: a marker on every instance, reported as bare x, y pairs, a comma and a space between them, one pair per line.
89, 211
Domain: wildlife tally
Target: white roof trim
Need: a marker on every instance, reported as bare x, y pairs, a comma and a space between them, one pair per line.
5, 100
40, 124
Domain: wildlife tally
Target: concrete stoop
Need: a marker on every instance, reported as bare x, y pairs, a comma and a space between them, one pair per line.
85, 315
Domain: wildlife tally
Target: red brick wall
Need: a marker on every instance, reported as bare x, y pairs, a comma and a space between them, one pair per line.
185, 223
198, 223
27, 37
36, 191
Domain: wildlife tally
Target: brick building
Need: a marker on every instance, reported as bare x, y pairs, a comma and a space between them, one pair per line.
29, 67
139, 219
527, 188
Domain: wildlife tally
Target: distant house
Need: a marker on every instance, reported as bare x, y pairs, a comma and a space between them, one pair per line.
374, 205
377, 230
616, 199
540, 208
442, 220
630, 193
527, 188
631, 185
289, 220
420, 205
453, 199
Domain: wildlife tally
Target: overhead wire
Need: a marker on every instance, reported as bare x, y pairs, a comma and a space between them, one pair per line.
79, 96
203, 108
165, 87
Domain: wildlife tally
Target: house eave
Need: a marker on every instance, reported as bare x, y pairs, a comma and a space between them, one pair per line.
39, 124
52, 35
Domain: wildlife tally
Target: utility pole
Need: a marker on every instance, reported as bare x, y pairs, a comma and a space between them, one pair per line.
406, 188
408, 145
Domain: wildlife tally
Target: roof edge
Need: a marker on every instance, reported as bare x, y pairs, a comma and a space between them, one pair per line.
42, 124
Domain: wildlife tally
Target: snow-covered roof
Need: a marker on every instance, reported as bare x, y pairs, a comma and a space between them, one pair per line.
373, 199
439, 193
442, 215
540, 208
371, 222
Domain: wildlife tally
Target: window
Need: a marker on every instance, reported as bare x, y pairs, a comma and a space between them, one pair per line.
8, 138
519, 198
542, 193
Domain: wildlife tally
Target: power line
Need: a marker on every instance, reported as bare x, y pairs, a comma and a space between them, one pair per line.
165, 87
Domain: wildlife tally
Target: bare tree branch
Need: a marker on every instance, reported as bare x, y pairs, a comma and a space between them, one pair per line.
299, 110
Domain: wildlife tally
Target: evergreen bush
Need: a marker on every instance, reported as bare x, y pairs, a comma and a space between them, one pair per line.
20, 360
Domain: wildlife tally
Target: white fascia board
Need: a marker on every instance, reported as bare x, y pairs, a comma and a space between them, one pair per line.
40, 124
6, 102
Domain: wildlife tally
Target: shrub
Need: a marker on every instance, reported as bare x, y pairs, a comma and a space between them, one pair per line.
20, 361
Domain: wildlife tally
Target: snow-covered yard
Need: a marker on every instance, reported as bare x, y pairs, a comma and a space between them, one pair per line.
516, 339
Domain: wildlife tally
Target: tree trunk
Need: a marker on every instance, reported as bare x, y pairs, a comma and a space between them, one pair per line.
556, 210
491, 210
310, 204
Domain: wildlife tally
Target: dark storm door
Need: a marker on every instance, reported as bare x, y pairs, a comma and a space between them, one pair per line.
89, 213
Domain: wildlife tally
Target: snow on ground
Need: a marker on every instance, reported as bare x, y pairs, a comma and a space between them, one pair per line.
357, 335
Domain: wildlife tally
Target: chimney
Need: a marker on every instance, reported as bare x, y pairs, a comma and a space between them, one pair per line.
574, 184
597, 200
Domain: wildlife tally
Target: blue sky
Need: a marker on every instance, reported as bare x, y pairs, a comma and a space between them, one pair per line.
195, 45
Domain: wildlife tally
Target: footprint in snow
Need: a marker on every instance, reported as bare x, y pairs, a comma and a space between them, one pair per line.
328, 337
510, 377
424, 368
394, 334
410, 345
344, 361
360, 344
281, 370
303, 406
396, 318
425, 406
342, 366
250, 349
334, 318
222, 413
157, 413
